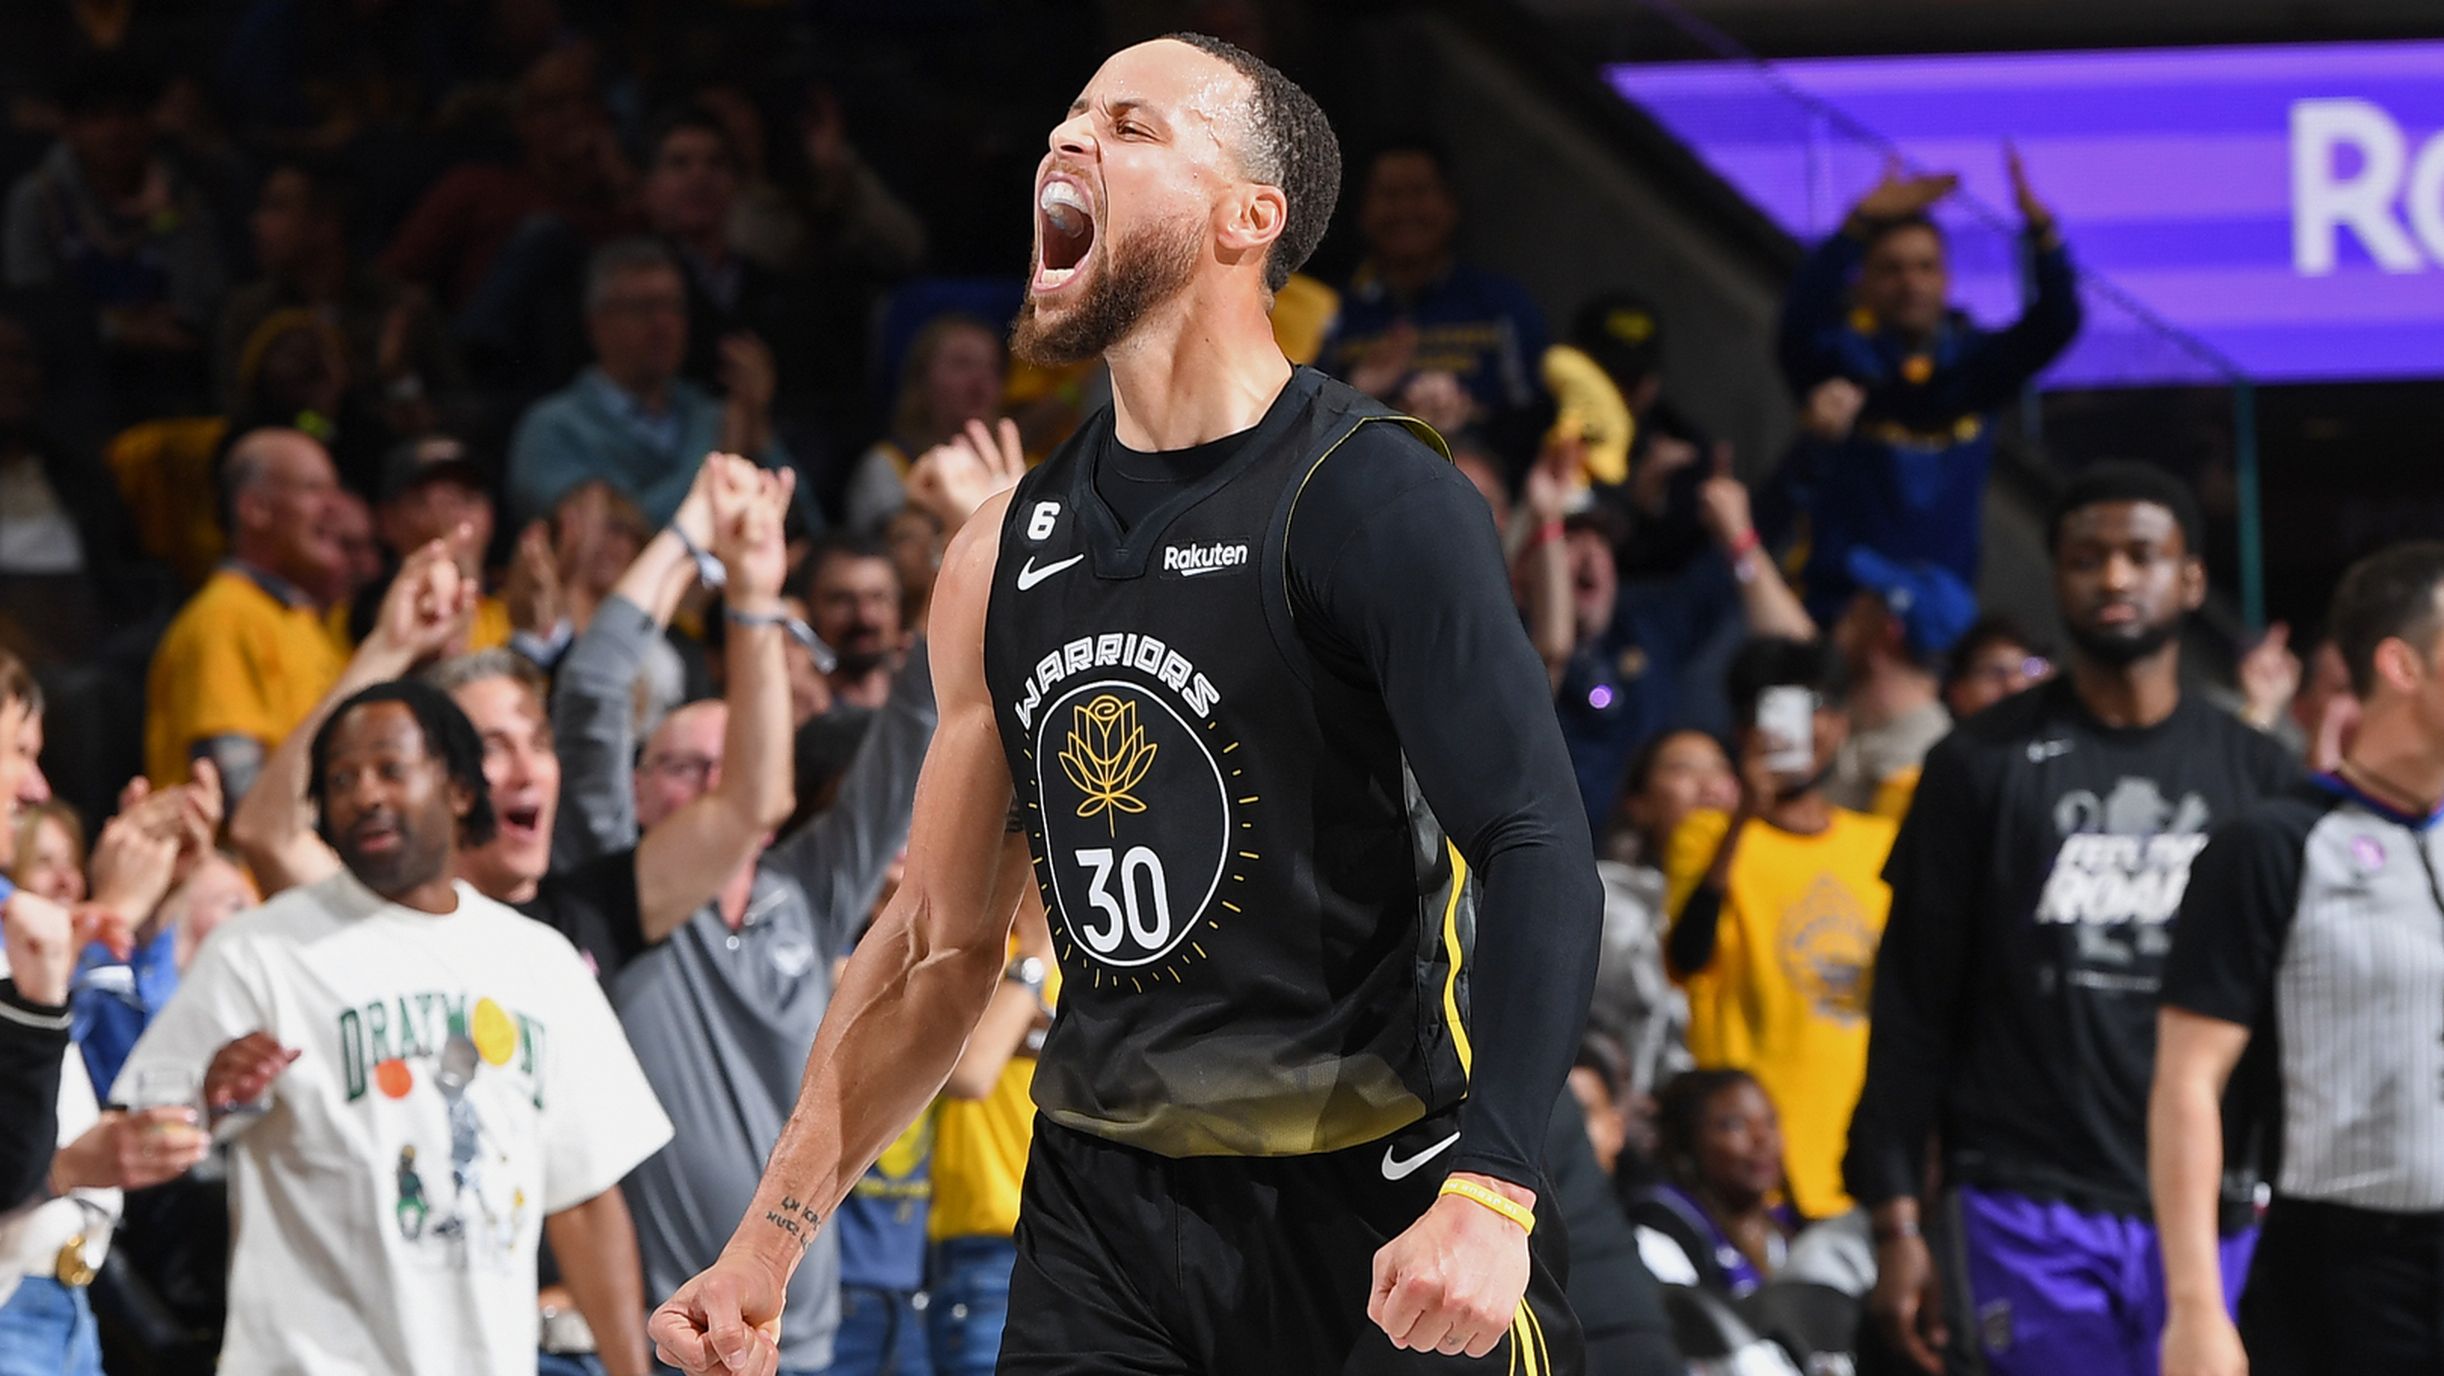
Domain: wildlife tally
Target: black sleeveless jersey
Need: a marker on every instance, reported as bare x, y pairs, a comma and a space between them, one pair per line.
1261, 928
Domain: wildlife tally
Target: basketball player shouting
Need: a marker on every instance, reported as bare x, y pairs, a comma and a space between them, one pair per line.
1319, 884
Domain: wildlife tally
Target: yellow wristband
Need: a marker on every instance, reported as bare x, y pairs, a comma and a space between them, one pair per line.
1478, 1194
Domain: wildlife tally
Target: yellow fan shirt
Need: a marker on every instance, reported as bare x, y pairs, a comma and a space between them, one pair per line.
1785, 997
237, 661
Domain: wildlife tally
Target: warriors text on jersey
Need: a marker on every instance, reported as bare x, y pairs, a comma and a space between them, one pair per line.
1225, 736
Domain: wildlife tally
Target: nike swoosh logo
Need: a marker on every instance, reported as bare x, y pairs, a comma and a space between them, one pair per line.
1029, 575
1396, 1169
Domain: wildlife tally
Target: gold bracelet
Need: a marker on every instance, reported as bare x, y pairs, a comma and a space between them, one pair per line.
1478, 1194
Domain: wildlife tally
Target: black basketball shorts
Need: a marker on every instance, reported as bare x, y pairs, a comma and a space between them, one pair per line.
1242, 1266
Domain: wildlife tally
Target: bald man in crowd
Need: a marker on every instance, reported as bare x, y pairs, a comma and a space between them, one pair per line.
249, 656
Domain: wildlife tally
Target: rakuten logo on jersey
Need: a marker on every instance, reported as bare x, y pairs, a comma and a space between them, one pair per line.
1190, 561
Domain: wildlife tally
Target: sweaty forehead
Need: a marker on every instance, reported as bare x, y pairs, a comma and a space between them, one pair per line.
1170, 81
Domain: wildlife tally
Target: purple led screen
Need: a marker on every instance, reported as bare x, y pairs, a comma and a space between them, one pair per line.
2284, 204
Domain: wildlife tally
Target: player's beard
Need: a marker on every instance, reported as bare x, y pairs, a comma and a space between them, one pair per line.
2116, 648
1139, 273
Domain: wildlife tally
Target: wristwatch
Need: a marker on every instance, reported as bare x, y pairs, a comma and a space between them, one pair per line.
1027, 972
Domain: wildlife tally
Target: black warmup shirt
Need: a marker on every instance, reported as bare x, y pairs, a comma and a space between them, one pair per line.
1301, 811
2034, 885
2317, 921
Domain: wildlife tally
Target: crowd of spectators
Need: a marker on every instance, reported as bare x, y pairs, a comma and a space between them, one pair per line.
537, 533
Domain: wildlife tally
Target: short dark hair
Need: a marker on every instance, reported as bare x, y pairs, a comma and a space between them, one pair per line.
448, 736
2389, 595
1772, 661
1290, 145
1680, 1112
2104, 483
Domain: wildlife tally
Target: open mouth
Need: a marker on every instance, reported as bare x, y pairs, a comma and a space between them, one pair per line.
522, 822
375, 838
1065, 227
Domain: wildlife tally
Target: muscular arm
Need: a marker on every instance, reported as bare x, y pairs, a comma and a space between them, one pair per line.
1009, 1017
595, 1244
923, 975
1406, 583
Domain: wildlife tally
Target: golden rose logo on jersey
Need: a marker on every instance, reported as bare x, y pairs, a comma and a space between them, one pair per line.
1134, 806
1108, 756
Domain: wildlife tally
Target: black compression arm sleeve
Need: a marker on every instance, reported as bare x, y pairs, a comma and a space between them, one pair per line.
1396, 566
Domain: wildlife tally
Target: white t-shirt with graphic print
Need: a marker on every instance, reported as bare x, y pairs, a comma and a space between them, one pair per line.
460, 1077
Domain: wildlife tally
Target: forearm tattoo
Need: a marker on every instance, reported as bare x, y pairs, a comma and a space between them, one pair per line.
796, 1218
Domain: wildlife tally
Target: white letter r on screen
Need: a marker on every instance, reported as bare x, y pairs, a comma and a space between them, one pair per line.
2322, 203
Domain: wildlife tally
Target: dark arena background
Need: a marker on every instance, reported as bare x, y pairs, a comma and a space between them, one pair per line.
485, 550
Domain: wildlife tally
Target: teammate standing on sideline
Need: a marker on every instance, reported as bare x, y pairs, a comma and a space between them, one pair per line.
2013, 1019
1268, 754
2316, 920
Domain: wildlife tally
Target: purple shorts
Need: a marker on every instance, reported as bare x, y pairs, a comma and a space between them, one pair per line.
2037, 1288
